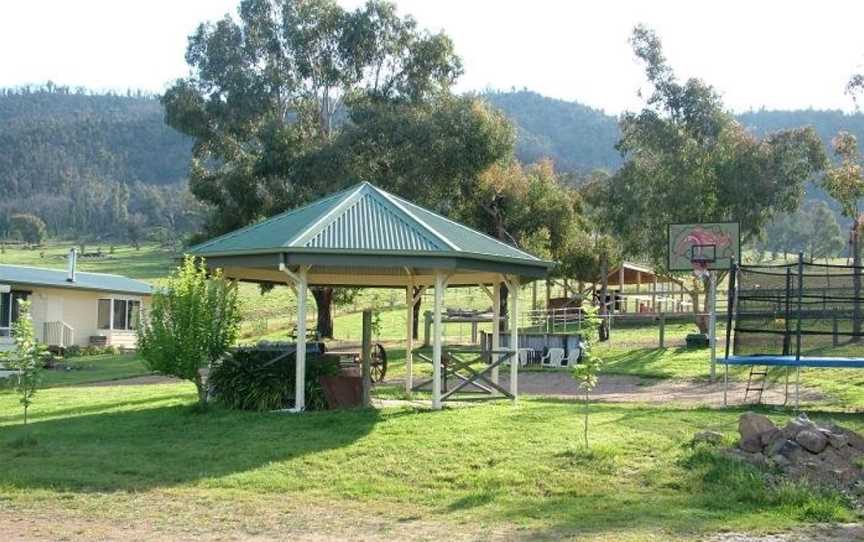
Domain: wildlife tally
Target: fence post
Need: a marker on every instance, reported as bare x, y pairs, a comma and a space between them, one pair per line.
835, 340
662, 330
367, 355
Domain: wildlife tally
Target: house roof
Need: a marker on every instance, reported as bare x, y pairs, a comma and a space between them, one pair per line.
365, 221
56, 278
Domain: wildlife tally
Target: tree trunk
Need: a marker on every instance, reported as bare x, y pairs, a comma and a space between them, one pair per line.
603, 332
202, 391
502, 325
700, 318
324, 302
415, 332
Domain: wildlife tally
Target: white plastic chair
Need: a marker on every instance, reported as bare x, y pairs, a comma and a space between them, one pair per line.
573, 356
553, 357
524, 356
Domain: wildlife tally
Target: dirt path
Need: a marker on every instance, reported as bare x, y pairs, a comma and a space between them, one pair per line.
620, 388
611, 388
634, 389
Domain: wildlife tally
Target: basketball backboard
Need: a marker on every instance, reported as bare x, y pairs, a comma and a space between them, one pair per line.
710, 245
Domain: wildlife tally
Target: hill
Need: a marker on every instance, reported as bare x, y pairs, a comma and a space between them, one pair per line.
575, 136
52, 138
94, 164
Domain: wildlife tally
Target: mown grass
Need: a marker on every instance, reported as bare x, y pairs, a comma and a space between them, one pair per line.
88, 369
495, 463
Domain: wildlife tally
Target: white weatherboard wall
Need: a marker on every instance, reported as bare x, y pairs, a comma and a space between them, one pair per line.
79, 309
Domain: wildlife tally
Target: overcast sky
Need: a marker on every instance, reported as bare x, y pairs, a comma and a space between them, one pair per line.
757, 53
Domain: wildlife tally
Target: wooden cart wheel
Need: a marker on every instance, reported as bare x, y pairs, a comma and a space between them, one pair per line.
378, 365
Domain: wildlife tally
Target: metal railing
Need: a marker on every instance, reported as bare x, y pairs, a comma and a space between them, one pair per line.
58, 334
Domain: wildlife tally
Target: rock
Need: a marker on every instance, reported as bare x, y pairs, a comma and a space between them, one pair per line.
710, 437
854, 439
791, 450
768, 436
796, 425
837, 441
752, 444
752, 425
776, 443
812, 441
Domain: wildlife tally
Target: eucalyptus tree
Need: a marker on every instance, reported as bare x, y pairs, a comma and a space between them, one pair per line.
688, 160
295, 98
845, 183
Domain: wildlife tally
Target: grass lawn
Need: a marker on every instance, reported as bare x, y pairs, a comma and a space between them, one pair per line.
490, 465
84, 370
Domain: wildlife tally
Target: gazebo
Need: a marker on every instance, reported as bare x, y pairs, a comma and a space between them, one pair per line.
366, 237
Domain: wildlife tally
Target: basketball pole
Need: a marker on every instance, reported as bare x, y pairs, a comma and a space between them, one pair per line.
712, 321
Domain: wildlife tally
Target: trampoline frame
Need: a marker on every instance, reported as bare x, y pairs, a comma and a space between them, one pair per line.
789, 361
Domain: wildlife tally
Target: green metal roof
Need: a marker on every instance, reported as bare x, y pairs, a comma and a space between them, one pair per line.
55, 278
365, 220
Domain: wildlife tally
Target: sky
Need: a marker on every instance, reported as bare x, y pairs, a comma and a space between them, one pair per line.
756, 53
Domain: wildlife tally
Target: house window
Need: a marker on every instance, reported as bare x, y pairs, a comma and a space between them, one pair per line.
118, 314
9, 311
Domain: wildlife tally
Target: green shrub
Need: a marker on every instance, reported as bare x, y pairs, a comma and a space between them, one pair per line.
249, 379
72, 351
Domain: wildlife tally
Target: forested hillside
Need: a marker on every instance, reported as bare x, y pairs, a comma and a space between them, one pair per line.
106, 165
96, 166
575, 136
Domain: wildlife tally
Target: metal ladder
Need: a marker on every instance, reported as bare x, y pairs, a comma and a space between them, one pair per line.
758, 385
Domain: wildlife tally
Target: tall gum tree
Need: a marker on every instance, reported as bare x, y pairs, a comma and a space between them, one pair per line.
844, 181
279, 96
688, 160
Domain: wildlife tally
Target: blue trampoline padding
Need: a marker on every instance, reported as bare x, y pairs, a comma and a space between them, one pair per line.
790, 361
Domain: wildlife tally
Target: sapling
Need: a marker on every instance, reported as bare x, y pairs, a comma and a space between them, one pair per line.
585, 372
193, 322
26, 360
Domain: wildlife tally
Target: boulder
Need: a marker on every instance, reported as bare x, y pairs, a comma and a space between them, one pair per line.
837, 441
775, 443
812, 441
791, 450
796, 425
753, 425
854, 439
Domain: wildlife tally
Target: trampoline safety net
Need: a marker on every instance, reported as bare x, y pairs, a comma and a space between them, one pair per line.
787, 310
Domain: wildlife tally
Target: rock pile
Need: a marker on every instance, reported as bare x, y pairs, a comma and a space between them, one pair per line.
802, 449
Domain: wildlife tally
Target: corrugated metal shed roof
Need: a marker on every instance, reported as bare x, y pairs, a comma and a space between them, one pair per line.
55, 278
363, 220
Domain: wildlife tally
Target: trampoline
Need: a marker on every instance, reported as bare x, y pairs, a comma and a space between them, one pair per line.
795, 315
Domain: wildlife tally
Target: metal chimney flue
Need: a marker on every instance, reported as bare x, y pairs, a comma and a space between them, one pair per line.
73, 262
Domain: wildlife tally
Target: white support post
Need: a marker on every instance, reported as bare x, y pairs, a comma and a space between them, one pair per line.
496, 326
712, 321
299, 283
436, 341
409, 337
513, 286
300, 370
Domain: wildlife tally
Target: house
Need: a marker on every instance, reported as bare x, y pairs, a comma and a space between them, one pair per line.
71, 307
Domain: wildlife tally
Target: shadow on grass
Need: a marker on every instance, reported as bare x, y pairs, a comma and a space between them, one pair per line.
167, 446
